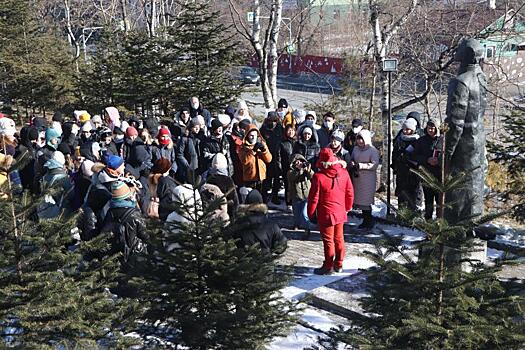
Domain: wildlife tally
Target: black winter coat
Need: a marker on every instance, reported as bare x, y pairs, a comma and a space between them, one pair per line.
167, 202
310, 150
256, 228
187, 155
424, 148
273, 138
134, 229
212, 146
285, 153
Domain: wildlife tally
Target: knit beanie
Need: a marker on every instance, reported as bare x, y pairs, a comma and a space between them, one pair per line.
338, 135
254, 197
7, 126
282, 103
307, 130
58, 117
163, 132
119, 190
224, 119
32, 133
219, 161
114, 162
96, 119
410, 123
131, 131
84, 117
215, 124
161, 166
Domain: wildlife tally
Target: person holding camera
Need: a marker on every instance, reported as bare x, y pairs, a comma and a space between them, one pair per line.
299, 179
362, 166
254, 156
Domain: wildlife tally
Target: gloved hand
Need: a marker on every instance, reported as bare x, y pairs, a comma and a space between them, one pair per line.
259, 147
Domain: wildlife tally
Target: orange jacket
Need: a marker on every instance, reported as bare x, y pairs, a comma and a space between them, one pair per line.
254, 163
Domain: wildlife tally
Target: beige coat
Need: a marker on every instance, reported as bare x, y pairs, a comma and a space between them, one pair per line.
368, 160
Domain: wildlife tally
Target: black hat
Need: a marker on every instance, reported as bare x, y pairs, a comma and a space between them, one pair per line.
40, 123
282, 103
32, 133
118, 131
58, 117
356, 123
243, 124
215, 124
254, 197
272, 116
65, 149
230, 111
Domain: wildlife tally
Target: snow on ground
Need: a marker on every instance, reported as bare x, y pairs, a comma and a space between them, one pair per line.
301, 337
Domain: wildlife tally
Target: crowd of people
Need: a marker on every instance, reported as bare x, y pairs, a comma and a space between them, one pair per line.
120, 169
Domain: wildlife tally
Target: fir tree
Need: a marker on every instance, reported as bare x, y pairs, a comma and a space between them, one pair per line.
50, 295
430, 302
205, 293
37, 69
99, 83
509, 151
206, 53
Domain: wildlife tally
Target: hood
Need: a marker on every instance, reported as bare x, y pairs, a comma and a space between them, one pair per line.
300, 132
250, 128
366, 135
295, 158
114, 116
248, 210
436, 122
104, 177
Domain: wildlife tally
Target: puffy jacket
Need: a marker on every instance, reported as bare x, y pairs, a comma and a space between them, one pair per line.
132, 237
331, 195
167, 200
254, 162
167, 152
211, 146
254, 227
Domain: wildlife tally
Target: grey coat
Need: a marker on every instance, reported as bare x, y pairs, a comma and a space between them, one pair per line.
465, 139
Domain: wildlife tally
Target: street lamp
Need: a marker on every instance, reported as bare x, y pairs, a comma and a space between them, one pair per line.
389, 66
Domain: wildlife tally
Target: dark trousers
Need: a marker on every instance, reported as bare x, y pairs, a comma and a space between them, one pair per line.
431, 197
273, 184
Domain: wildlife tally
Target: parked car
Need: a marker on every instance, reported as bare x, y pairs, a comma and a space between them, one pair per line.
249, 75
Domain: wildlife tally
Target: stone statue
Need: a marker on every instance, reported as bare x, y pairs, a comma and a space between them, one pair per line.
465, 139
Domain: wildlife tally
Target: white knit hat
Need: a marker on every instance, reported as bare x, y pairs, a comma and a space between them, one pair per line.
58, 157
224, 119
410, 123
7, 126
219, 161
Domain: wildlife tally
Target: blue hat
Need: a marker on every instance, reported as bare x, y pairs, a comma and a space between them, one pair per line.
114, 162
50, 135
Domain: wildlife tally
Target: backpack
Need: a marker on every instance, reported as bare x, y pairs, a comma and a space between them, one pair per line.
122, 241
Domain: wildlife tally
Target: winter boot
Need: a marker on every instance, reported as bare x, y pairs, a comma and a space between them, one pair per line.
323, 271
368, 221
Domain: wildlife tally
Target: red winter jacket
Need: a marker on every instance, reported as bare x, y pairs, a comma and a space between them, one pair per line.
332, 195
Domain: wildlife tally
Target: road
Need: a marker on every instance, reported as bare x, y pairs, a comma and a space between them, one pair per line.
296, 99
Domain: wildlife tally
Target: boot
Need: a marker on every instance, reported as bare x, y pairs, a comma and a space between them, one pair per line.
368, 221
323, 271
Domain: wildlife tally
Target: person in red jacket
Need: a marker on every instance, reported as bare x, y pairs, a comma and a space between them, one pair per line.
331, 196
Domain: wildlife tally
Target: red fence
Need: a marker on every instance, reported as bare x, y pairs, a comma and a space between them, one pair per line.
309, 64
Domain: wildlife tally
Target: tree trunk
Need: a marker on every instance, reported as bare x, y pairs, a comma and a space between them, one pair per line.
276, 18
124, 16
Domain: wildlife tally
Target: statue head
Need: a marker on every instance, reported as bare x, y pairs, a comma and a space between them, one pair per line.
469, 51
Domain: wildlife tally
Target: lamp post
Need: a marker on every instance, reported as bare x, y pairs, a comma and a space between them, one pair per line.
389, 66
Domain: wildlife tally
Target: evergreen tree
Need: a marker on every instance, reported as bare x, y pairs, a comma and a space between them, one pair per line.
99, 83
508, 150
37, 69
431, 302
50, 295
205, 293
206, 53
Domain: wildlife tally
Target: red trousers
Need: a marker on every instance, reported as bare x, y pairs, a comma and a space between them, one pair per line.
334, 245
